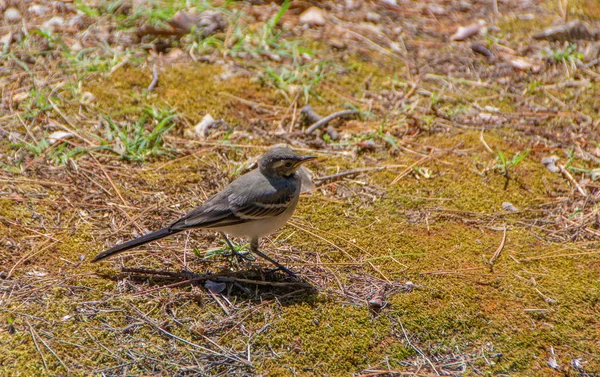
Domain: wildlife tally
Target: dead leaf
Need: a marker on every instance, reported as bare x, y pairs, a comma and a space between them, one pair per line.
465, 32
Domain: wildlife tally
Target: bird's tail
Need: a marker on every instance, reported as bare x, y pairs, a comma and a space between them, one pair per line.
161, 233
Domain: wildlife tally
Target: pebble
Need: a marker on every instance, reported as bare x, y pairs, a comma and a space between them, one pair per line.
313, 16
12, 15
53, 24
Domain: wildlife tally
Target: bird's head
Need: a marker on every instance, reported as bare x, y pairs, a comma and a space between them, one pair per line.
282, 161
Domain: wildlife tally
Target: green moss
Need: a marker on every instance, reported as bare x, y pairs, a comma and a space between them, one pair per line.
322, 339
193, 90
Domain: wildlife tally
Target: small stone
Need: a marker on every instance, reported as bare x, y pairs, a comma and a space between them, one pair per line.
313, 16
77, 22
76, 46
465, 32
201, 129
332, 132
436, 9
509, 207
372, 17
367, 145
20, 97
550, 163
87, 98
38, 10
215, 287
57, 136
12, 15
6, 39
375, 303
53, 24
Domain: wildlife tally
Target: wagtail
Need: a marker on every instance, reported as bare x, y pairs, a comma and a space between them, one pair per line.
254, 205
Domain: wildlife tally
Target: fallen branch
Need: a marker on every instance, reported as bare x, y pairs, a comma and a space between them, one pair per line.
570, 178
319, 122
226, 277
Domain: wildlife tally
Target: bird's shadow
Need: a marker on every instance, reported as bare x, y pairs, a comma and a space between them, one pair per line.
248, 284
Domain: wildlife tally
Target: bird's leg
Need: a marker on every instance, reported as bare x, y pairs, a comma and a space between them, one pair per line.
254, 249
234, 252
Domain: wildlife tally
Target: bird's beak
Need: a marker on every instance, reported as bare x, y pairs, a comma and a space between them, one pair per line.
305, 159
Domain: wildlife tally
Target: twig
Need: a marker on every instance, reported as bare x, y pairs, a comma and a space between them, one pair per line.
37, 347
484, 143
323, 122
409, 169
498, 250
570, 178
417, 349
69, 122
228, 277
28, 256
50, 349
109, 179
154, 78
231, 279
208, 350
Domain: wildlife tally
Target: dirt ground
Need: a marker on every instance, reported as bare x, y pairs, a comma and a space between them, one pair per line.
454, 225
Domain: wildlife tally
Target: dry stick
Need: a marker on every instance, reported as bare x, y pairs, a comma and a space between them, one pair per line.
51, 350
484, 143
498, 250
154, 78
109, 180
227, 278
37, 347
27, 129
570, 178
208, 350
417, 349
408, 169
62, 115
325, 121
262, 282
28, 256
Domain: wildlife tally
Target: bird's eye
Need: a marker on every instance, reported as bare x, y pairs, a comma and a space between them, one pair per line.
289, 164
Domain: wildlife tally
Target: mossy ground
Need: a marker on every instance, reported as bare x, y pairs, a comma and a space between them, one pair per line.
437, 227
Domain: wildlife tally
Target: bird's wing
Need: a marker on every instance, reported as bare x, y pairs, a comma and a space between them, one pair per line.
243, 201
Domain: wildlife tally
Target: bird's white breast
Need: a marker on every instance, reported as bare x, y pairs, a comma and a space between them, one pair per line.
260, 228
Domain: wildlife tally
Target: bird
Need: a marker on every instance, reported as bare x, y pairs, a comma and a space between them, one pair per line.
254, 205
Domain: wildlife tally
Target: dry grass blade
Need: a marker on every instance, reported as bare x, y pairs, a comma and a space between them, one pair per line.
498, 250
